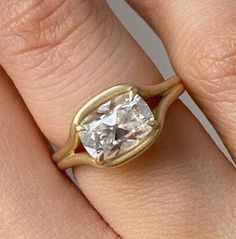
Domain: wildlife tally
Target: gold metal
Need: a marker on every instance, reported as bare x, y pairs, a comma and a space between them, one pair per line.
100, 158
168, 90
153, 123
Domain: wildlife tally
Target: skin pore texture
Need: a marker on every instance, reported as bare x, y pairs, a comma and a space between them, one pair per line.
60, 53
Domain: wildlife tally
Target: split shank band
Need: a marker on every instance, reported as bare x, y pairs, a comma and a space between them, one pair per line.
118, 124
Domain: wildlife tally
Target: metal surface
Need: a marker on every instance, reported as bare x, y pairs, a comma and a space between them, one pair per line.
168, 91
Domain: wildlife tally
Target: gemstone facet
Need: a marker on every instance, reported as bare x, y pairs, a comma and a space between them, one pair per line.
116, 126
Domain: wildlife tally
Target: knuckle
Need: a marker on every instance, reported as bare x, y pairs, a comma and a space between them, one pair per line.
25, 25
42, 42
39, 24
213, 62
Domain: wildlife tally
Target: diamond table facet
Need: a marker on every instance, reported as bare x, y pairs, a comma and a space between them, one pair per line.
116, 126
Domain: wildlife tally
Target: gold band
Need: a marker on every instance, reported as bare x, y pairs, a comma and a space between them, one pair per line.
168, 90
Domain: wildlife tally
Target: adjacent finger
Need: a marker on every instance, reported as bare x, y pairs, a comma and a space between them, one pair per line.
201, 39
36, 201
61, 54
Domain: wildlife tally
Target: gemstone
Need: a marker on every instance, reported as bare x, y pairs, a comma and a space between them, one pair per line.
116, 126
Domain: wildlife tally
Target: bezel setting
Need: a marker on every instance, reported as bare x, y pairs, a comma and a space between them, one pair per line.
117, 126
168, 91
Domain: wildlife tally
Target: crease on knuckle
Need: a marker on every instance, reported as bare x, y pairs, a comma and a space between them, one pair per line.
57, 38
213, 63
47, 48
65, 80
45, 25
23, 27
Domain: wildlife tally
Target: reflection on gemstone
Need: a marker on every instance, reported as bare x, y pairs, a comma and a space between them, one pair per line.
116, 126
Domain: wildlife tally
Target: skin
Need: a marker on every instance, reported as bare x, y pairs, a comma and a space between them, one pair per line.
58, 54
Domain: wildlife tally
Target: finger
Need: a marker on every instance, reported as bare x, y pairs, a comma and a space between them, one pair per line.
58, 62
36, 201
60, 53
201, 40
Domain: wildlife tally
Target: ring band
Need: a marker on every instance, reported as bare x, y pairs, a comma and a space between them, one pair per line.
118, 124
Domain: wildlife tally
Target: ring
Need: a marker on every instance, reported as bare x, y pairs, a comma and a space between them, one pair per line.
118, 124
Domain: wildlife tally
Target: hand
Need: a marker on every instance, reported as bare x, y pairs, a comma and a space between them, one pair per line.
58, 54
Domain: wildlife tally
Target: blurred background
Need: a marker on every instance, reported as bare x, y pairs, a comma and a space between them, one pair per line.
152, 45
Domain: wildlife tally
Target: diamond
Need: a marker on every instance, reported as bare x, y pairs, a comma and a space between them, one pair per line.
116, 126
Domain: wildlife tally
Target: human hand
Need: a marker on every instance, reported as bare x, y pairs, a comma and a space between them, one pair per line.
58, 54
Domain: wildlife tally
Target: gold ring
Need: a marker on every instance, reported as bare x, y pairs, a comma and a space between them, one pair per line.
118, 124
